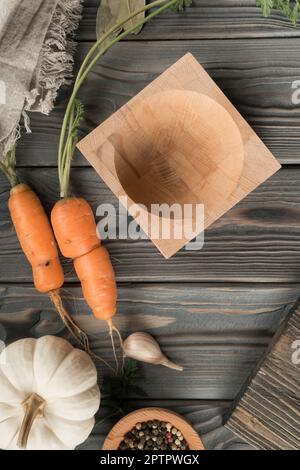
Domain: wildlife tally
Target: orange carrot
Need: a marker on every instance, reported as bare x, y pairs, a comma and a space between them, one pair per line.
97, 278
75, 230
38, 243
36, 238
74, 227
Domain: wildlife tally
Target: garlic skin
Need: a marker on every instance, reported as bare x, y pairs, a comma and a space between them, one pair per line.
143, 347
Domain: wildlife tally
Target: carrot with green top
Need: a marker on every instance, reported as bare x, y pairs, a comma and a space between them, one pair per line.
72, 218
37, 241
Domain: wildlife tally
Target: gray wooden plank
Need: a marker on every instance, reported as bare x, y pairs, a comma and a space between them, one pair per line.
217, 333
267, 413
256, 75
206, 417
257, 240
207, 19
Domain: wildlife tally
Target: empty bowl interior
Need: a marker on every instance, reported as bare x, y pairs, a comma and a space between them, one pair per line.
178, 147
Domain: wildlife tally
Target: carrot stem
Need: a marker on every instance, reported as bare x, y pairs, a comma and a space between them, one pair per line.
65, 156
8, 167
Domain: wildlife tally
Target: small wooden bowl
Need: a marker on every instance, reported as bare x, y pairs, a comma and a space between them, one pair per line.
125, 425
178, 147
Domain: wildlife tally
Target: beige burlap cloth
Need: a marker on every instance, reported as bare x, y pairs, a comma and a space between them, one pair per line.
36, 59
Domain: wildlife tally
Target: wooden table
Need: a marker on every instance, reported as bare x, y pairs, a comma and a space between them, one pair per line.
216, 310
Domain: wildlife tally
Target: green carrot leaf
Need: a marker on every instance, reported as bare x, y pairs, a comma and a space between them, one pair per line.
290, 8
181, 5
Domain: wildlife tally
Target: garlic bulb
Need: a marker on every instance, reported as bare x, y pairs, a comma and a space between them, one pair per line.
143, 347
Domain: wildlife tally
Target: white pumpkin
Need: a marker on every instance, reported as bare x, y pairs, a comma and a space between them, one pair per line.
48, 395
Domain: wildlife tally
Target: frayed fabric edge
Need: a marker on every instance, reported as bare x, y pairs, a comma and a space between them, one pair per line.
10, 141
56, 58
55, 67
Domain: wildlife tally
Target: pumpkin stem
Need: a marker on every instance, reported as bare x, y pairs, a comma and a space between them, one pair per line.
33, 407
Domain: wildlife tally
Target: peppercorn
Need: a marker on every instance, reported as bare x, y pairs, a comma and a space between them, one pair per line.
153, 435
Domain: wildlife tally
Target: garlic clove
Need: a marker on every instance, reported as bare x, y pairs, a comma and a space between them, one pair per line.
143, 347
171, 365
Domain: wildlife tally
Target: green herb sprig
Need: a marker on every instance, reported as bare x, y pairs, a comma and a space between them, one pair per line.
118, 389
69, 132
290, 8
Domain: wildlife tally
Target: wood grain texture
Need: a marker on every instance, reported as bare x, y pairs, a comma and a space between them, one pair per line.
268, 412
128, 422
258, 83
206, 19
218, 334
222, 330
206, 416
258, 240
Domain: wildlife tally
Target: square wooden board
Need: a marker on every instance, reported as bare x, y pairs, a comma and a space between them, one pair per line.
185, 75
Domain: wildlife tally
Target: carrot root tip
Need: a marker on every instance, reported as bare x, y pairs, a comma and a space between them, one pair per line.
113, 329
74, 329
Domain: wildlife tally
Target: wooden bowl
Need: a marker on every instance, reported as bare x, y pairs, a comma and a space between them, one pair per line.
178, 147
125, 425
